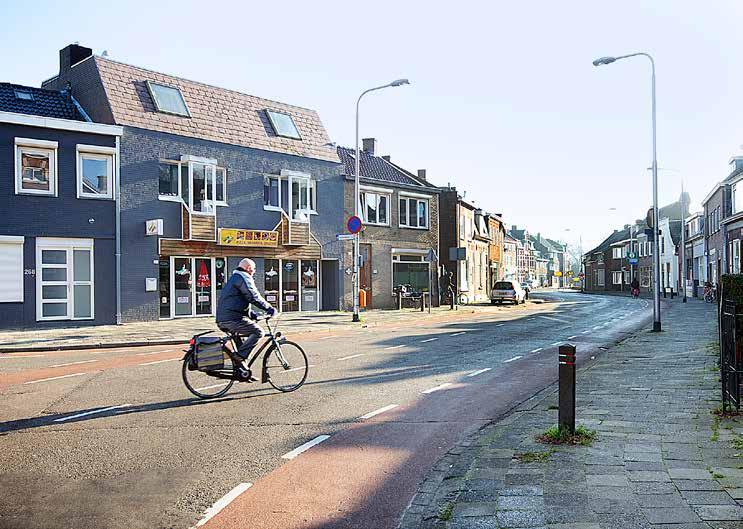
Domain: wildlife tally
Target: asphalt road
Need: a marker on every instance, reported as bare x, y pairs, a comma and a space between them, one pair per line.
159, 458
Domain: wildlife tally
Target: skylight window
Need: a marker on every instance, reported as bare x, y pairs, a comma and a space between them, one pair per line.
26, 96
283, 125
168, 99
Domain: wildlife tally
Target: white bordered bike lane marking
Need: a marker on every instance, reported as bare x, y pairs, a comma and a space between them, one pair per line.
378, 411
74, 363
351, 356
92, 412
306, 446
223, 502
479, 372
512, 359
437, 388
54, 378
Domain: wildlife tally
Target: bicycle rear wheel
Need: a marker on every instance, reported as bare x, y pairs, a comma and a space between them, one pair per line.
286, 366
204, 385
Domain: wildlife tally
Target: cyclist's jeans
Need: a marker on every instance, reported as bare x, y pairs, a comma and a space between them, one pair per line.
247, 332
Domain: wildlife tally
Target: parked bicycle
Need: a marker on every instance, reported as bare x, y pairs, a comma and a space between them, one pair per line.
210, 358
709, 293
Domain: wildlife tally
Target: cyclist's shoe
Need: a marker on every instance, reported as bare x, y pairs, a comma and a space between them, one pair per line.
244, 374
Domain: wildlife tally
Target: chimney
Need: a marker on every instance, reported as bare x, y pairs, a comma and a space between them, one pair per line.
369, 145
539, 237
386, 158
422, 174
72, 54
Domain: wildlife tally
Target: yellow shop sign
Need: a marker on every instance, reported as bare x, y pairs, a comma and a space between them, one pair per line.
262, 238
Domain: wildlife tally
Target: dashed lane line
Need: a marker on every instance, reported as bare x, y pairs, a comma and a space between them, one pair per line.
394, 347
379, 411
536, 350
212, 386
223, 502
160, 361
555, 344
585, 332
437, 388
429, 340
458, 333
351, 356
572, 337
54, 378
74, 363
306, 446
512, 359
479, 372
150, 353
93, 412
298, 368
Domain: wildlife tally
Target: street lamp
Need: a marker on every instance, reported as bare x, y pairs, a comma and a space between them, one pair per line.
356, 282
656, 253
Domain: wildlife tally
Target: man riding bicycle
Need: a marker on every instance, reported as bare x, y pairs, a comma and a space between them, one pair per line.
237, 295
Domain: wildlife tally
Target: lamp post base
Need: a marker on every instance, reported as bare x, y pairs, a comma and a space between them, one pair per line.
656, 326
356, 317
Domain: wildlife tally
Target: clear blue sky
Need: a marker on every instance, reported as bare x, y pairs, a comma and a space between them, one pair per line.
504, 102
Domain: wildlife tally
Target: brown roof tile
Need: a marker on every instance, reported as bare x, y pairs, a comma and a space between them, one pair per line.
217, 114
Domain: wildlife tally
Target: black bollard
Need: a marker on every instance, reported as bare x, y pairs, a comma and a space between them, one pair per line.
566, 413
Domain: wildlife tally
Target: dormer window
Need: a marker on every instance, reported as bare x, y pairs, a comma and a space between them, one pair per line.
168, 99
25, 96
283, 125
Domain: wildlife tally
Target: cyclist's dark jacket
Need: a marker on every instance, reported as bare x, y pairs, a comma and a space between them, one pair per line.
237, 294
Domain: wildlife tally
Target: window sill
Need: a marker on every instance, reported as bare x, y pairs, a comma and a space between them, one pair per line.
94, 197
415, 227
169, 198
36, 193
273, 208
377, 224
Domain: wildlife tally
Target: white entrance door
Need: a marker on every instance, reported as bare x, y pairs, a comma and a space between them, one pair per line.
64, 279
192, 286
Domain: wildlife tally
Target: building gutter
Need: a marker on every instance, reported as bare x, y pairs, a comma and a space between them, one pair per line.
118, 229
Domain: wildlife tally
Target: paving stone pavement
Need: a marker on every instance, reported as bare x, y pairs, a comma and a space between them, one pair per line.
661, 459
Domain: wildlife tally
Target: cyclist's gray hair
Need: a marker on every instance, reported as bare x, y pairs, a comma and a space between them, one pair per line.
247, 262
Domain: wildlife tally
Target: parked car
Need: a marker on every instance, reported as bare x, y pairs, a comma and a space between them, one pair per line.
507, 291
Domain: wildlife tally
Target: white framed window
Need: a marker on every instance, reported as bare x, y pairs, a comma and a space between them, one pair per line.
415, 212
95, 170
462, 224
736, 256
409, 267
64, 279
220, 191
600, 277
375, 208
292, 192
616, 253
35, 167
11, 269
196, 182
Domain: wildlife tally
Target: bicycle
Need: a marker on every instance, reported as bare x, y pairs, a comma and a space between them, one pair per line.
285, 364
709, 295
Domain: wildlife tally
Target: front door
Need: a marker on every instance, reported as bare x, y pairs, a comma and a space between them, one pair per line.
365, 274
310, 284
64, 279
290, 285
192, 286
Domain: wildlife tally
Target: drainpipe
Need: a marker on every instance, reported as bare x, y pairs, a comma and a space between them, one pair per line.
118, 229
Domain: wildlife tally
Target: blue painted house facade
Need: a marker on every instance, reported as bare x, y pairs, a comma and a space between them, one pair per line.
209, 176
58, 227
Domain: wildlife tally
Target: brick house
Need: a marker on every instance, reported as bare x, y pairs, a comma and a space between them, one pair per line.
510, 258
58, 229
497, 231
716, 206
696, 271
400, 211
465, 246
208, 176
526, 255
732, 221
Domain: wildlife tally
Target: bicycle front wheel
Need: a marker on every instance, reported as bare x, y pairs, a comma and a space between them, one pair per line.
204, 385
286, 366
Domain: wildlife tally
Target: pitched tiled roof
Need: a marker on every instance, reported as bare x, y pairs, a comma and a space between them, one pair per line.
44, 103
217, 114
377, 168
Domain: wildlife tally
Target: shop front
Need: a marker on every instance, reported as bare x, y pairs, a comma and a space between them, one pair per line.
193, 273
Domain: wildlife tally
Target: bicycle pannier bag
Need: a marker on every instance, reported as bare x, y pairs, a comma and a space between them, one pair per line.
209, 353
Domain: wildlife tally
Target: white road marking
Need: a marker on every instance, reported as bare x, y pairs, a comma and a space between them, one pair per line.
597, 327
352, 356
555, 319
429, 340
160, 361
151, 353
536, 350
556, 343
585, 332
437, 388
11, 356
223, 502
479, 372
212, 386
511, 359
297, 368
326, 337
74, 363
572, 337
394, 347
377, 412
55, 378
500, 325
85, 414
458, 333
306, 446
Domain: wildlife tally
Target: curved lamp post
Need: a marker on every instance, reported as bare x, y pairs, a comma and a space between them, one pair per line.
357, 200
656, 254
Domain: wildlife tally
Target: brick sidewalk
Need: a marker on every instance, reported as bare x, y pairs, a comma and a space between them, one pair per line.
179, 331
660, 459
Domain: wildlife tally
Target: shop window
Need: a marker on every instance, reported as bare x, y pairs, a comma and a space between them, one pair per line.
410, 269
271, 281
